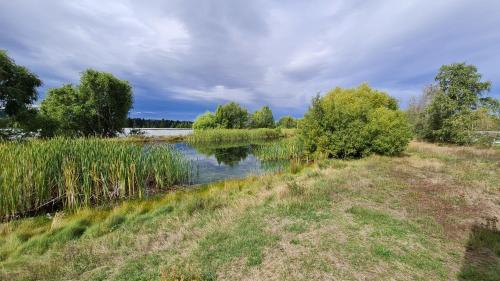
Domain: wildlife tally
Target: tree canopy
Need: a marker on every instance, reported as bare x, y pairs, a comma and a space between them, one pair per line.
231, 116
353, 123
457, 108
97, 106
287, 122
17, 87
262, 118
206, 120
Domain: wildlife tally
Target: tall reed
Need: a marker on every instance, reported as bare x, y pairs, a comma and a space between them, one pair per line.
290, 148
225, 135
80, 172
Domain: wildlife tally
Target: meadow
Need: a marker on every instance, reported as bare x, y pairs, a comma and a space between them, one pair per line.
46, 175
425, 215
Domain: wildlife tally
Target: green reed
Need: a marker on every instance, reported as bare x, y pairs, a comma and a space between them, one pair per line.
73, 173
225, 135
290, 148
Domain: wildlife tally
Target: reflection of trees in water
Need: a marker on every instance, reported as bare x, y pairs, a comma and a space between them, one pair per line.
231, 155
482, 253
227, 155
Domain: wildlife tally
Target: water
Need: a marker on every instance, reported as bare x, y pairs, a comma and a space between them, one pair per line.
216, 163
160, 132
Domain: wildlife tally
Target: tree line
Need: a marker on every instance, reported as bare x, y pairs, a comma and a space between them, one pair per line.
342, 123
153, 123
233, 116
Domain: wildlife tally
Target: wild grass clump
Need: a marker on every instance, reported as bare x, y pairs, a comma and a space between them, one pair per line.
72, 173
291, 148
225, 135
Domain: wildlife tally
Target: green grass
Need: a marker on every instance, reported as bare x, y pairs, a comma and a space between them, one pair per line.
289, 148
232, 135
378, 218
74, 173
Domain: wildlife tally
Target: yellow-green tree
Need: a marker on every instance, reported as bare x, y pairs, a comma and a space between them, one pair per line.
354, 123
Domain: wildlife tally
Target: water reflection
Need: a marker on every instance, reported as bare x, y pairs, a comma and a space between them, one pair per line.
233, 160
230, 156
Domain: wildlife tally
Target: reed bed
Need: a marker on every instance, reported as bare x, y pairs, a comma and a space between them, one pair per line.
232, 135
72, 173
290, 148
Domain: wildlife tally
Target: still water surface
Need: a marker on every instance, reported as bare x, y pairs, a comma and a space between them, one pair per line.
218, 162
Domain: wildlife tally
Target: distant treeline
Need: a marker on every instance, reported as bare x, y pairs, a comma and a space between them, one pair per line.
152, 123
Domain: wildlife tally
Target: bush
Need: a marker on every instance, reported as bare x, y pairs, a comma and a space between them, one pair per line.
205, 121
287, 122
354, 123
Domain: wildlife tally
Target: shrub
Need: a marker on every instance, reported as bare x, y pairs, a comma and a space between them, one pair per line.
287, 122
205, 121
353, 123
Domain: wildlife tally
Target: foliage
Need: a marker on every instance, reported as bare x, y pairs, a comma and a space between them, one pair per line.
287, 122
162, 123
225, 135
82, 172
231, 116
462, 84
457, 110
17, 88
97, 107
353, 123
262, 118
206, 120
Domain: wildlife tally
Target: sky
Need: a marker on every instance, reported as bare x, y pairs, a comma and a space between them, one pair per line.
184, 57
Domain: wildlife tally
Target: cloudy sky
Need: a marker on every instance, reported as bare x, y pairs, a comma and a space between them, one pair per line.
184, 57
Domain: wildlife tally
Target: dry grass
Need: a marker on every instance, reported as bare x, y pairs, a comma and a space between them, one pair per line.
413, 217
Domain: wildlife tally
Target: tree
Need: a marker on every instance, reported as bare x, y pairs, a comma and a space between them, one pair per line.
98, 106
462, 84
287, 122
17, 89
231, 116
354, 123
262, 118
416, 109
457, 109
206, 120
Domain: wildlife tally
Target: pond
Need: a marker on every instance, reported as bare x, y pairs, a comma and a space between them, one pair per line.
219, 162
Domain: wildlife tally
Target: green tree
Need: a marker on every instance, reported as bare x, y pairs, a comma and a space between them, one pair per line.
354, 123
287, 122
206, 120
17, 89
462, 84
262, 118
457, 110
231, 116
98, 106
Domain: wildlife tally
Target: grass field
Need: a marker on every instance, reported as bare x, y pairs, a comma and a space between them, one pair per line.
426, 215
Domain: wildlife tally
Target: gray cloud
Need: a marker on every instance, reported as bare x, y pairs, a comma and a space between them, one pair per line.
198, 53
